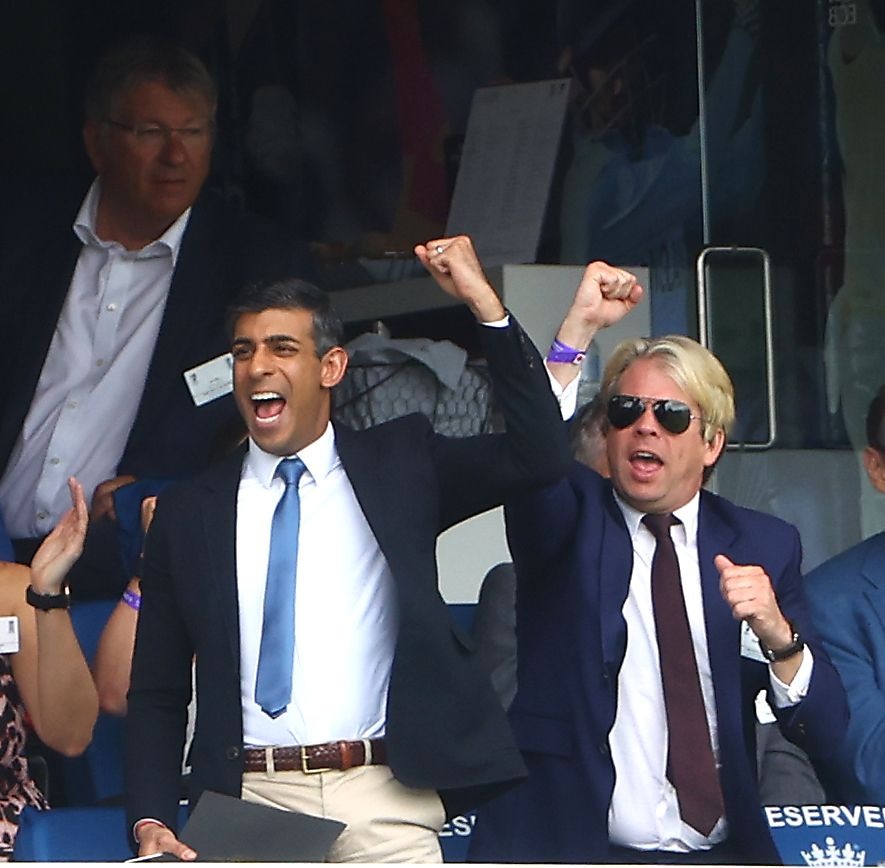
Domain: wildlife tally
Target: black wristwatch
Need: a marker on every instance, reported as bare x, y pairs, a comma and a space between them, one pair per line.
797, 643
45, 602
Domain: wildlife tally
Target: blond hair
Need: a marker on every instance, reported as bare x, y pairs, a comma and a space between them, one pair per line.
692, 367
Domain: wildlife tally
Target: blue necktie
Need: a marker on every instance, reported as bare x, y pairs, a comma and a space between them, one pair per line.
273, 685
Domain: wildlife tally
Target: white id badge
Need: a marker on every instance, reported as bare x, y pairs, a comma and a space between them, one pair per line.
211, 380
9, 634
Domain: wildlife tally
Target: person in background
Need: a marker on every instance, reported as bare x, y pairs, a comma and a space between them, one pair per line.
847, 599
118, 299
587, 435
44, 678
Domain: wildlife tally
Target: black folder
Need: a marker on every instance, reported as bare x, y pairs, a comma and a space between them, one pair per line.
225, 829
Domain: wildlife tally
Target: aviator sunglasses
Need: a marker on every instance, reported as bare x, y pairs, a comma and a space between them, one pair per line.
674, 416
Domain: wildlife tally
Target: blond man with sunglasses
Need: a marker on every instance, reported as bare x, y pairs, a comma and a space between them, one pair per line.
650, 613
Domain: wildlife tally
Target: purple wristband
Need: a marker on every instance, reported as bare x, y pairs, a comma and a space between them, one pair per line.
562, 354
132, 599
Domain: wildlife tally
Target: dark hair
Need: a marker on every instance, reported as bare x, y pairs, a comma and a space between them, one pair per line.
876, 421
145, 58
290, 294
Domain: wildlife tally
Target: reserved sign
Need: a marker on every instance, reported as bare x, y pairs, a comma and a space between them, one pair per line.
829, 835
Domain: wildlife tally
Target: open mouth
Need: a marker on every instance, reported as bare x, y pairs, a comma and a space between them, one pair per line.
267, 406
645, 461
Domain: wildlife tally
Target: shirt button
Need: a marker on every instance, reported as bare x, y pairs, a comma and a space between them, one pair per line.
99, 362
112, 306
232, 753
603, 748
41, 515
54, 460
72, 405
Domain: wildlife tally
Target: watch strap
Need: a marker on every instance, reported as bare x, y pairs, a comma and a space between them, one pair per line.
45, 602
797, 643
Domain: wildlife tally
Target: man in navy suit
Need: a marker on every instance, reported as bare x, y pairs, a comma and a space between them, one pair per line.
388, 724
615, 574
115, 303
847, 599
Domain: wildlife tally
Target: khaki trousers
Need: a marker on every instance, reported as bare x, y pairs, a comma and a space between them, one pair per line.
386, 822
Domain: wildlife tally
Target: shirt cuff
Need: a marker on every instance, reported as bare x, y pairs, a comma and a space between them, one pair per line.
567, 396
786, 695
145, 821
498, 323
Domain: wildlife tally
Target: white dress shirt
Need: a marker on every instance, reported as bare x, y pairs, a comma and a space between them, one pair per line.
93, 376
346, 616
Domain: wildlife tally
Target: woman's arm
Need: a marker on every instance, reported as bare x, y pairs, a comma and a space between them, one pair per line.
113, 659
50, 671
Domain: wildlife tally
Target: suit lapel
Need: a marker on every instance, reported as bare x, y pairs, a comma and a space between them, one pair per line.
195, 286
715, 537
872, 569
37, 297
218, 509
368, 469
615, 570
723, 631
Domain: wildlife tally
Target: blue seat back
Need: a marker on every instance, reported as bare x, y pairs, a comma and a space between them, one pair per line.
84, 834
89, 618
95, 834
462, 613
96, 775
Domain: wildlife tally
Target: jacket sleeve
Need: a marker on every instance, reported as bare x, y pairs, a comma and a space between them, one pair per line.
160, 690
817, 723
478, 473
853, 635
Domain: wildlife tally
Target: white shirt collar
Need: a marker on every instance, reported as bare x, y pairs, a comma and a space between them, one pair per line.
320, 458
84, 228
687, 514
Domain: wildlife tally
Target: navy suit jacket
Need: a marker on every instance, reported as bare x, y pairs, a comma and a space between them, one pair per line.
573, 558
220, 251
847, 599
445, 728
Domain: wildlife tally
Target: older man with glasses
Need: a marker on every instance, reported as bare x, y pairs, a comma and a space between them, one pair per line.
650, 613
116, 331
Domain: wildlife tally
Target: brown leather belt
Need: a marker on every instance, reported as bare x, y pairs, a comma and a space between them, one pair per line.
313, 758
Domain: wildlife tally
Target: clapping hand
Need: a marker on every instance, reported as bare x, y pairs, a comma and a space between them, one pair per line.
63, 546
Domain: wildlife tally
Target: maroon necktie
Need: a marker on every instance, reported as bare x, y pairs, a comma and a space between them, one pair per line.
691, 767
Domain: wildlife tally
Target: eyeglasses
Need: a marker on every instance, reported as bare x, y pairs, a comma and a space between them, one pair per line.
156, 135
674, 416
